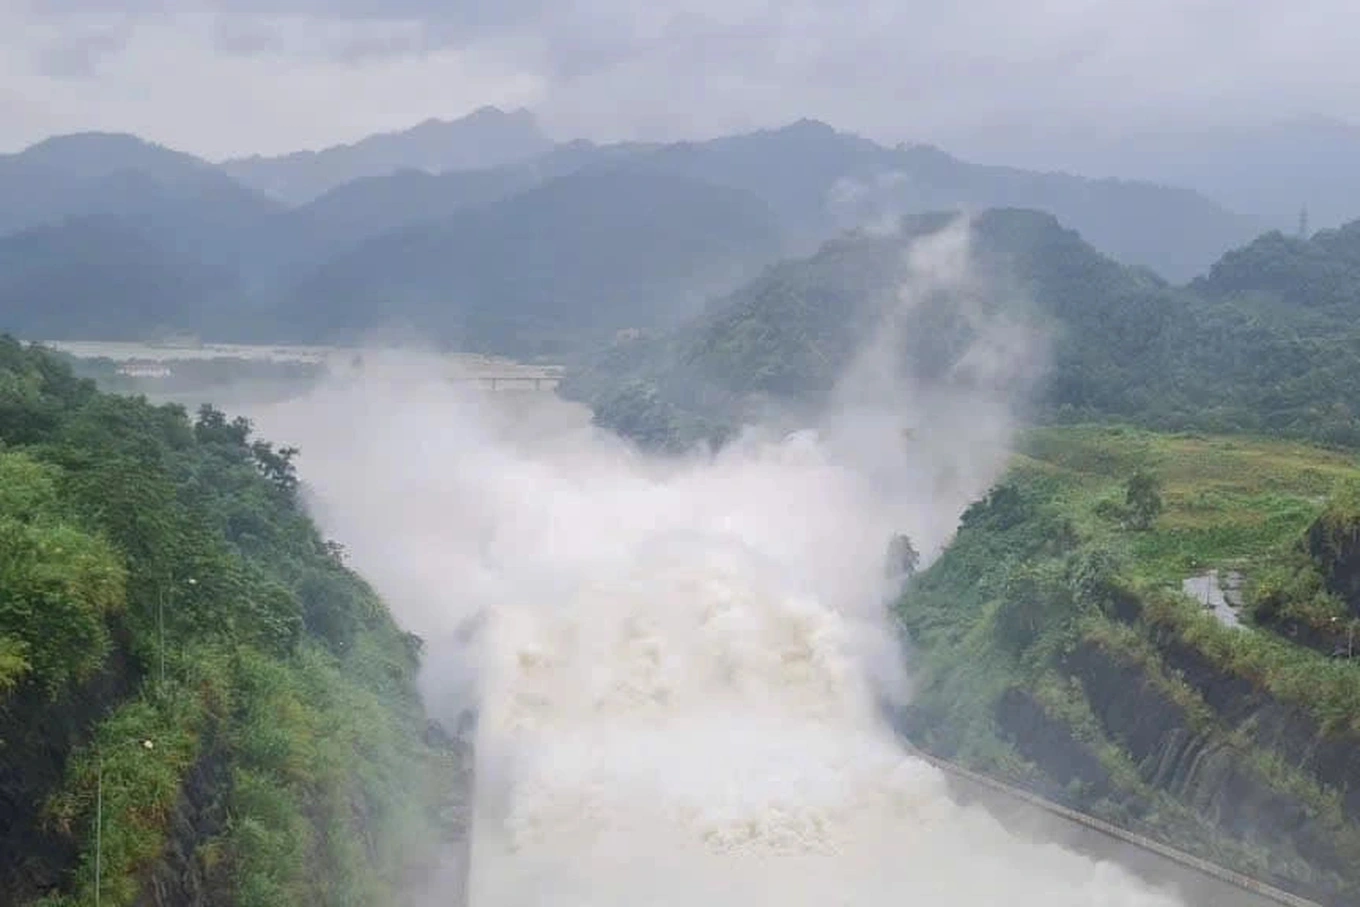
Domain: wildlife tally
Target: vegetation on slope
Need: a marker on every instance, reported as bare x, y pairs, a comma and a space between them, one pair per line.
1055, 648
1126, 345
102, 277
1053, 644
198, 701
573, 260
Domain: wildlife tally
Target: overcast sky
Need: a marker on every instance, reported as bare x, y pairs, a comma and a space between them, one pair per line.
228, 77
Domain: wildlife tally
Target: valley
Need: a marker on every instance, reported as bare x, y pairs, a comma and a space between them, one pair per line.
464, 516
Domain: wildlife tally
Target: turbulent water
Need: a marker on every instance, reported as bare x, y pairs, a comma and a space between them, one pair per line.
678, 665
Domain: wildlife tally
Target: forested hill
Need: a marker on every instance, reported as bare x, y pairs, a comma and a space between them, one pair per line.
1267, 342
178, 641
1321, 272
478, 235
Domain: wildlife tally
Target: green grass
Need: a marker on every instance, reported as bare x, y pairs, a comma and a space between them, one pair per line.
133, 773
1230, 501
188, 671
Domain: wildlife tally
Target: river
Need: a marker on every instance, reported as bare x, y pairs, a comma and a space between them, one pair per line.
680, 662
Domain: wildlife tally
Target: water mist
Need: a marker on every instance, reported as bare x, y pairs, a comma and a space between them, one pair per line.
679, 662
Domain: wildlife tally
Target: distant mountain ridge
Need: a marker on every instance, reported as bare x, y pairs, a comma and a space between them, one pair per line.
117, 174
487, 137
823, 181
562, 264
257, 265
1272, 171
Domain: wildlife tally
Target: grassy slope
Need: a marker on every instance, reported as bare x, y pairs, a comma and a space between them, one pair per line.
175, 631
1266, 344
1046, 606
1230, 501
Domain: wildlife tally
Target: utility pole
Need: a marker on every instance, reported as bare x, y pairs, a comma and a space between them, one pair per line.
98, 827
160, 632
145, 744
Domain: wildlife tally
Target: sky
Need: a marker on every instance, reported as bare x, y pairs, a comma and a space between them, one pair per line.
221, 78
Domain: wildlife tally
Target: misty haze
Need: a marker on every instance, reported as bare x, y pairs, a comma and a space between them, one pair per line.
600, 455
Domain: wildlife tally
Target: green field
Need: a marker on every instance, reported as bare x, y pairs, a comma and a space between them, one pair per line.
1230, 501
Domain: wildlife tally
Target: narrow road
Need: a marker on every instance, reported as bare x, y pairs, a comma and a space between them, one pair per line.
1022, 814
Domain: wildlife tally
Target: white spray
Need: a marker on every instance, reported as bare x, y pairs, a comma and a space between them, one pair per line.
680, 663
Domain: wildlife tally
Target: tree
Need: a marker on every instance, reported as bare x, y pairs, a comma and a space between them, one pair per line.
903, 558
1034, 600
1143, 498
276, 465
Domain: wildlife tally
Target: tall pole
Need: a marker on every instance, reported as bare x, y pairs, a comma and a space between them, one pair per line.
160, 631
98, 827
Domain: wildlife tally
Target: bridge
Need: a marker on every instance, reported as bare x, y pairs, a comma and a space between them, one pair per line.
509, 382
158, 363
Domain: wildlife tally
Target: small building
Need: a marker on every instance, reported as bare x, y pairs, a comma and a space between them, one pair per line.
178, 340
144, 370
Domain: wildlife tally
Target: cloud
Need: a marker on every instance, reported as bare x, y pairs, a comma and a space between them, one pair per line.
77, 53
443, 23
218, 86
680, 660
897, 71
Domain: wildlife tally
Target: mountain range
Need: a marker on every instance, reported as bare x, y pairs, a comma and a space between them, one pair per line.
483, 232
487, 137
1264, 343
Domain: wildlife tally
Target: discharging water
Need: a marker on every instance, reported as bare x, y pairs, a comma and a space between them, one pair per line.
679, 662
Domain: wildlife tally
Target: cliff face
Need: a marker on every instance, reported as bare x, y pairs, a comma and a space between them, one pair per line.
1236, 740
1210, 768
37, 736
1333, 759
1333, 543
187, 875
1073, 768
197, 695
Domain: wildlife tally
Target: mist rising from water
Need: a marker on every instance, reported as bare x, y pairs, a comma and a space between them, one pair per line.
680, 661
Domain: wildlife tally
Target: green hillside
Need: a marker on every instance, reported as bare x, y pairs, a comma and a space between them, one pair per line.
101, 277
1126, 345
555, 267
189, 674
1055, 647
1054, 643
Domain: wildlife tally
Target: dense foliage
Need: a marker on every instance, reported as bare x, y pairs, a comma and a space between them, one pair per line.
1053, 646
189, 674
551, 268
1267, 343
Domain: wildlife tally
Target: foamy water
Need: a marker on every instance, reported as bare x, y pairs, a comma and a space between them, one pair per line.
679, 662
678, 670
